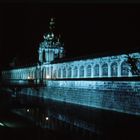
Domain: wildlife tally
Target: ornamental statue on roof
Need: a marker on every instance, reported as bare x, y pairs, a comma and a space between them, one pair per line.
50, 35
51, 48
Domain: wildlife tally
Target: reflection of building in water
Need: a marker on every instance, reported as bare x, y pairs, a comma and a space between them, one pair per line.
51, 66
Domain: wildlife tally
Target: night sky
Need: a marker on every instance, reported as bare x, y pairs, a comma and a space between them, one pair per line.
85, 29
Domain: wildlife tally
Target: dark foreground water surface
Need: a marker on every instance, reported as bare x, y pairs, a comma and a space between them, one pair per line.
35, 118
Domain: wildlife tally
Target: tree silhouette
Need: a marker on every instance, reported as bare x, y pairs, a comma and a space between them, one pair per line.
133, 63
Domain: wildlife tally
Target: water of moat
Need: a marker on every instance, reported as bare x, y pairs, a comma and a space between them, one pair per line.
57, 120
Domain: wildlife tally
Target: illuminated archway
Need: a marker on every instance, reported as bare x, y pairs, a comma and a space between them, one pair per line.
96, 70
59, 72
105, 69
88, 71
81, 74
114, 69
75, 72
69, 72
64, 72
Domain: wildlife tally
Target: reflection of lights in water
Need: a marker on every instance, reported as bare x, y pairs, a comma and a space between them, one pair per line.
47, 118
28, 110
1, 124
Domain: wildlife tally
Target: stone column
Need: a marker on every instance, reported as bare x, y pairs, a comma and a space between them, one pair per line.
100, 70
92, 71
78, 71
66, 71
72, 69
84, 72
109, 70
119, 70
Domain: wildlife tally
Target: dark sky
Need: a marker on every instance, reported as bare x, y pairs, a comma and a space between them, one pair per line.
85, 28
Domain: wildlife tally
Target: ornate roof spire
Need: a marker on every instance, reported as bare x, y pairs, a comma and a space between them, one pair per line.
51, 48
50, 36
52, 24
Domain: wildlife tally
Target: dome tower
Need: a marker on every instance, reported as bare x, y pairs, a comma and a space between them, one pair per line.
51, 48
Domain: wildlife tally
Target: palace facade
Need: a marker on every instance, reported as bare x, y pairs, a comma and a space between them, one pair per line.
51, 66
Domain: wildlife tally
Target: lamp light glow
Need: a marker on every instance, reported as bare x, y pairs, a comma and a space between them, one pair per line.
1, 124
47, 76
47, 118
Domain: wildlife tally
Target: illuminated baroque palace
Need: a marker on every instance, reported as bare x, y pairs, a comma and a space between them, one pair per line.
51, 49
106, 82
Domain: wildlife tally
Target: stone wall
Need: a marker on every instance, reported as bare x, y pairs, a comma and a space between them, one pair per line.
121, 96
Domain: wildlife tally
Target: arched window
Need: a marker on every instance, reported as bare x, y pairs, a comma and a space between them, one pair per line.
15, 75
104, 70
75, 72
88, 71
54, 74
18, 75
114, 69
44, 73
64, 73
82, 71
124, 69
59, 73
96, 70
21, 75
69, 72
